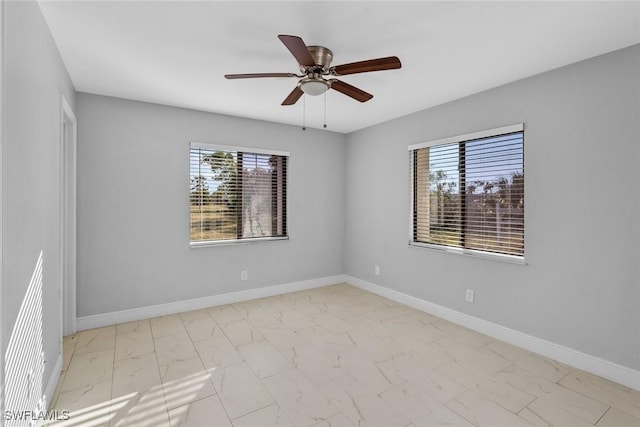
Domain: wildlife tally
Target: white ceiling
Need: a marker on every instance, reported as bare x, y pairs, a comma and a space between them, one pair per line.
176, 52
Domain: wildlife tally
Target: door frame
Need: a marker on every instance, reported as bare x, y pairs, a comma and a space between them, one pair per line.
68, 172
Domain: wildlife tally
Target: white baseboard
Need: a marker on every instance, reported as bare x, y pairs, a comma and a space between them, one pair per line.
586, 362
141, 313
52, 382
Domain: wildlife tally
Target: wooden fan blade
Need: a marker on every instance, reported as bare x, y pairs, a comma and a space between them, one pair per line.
298, 49
293, 97
380, 64
352, 91
256, 75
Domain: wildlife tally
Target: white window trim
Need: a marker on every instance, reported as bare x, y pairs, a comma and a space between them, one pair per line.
207, 243
519, 127
229, 242
210, 146
513, 259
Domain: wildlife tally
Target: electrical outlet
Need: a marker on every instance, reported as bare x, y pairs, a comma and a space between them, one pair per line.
376, 270
470, 296
244, 275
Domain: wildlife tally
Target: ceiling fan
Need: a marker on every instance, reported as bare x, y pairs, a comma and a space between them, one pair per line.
315, 64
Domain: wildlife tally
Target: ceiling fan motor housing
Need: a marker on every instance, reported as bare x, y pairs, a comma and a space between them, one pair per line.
314, 84
322, 57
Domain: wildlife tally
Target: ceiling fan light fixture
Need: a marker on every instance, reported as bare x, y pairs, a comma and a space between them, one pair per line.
314, 86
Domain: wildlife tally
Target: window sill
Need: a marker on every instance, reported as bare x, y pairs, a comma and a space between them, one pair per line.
472, 253
209, 243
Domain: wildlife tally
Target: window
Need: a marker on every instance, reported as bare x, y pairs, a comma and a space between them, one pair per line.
236, 194
468, 193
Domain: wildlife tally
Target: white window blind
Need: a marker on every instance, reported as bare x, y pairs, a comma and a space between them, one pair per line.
468, 192
237, 194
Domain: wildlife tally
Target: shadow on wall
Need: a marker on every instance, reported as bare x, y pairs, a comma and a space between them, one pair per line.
24, 359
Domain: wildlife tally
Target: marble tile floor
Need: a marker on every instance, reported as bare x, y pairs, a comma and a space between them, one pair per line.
335, 356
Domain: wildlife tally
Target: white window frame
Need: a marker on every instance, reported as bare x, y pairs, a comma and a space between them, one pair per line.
236, 148
519, 127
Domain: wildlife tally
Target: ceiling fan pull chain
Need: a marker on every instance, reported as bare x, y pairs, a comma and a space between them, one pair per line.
325, 111
304, 112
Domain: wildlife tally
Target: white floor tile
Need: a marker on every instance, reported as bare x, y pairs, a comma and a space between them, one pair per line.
336, 356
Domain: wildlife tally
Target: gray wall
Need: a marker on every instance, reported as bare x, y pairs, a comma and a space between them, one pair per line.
580, 287
35, 77
133, 206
